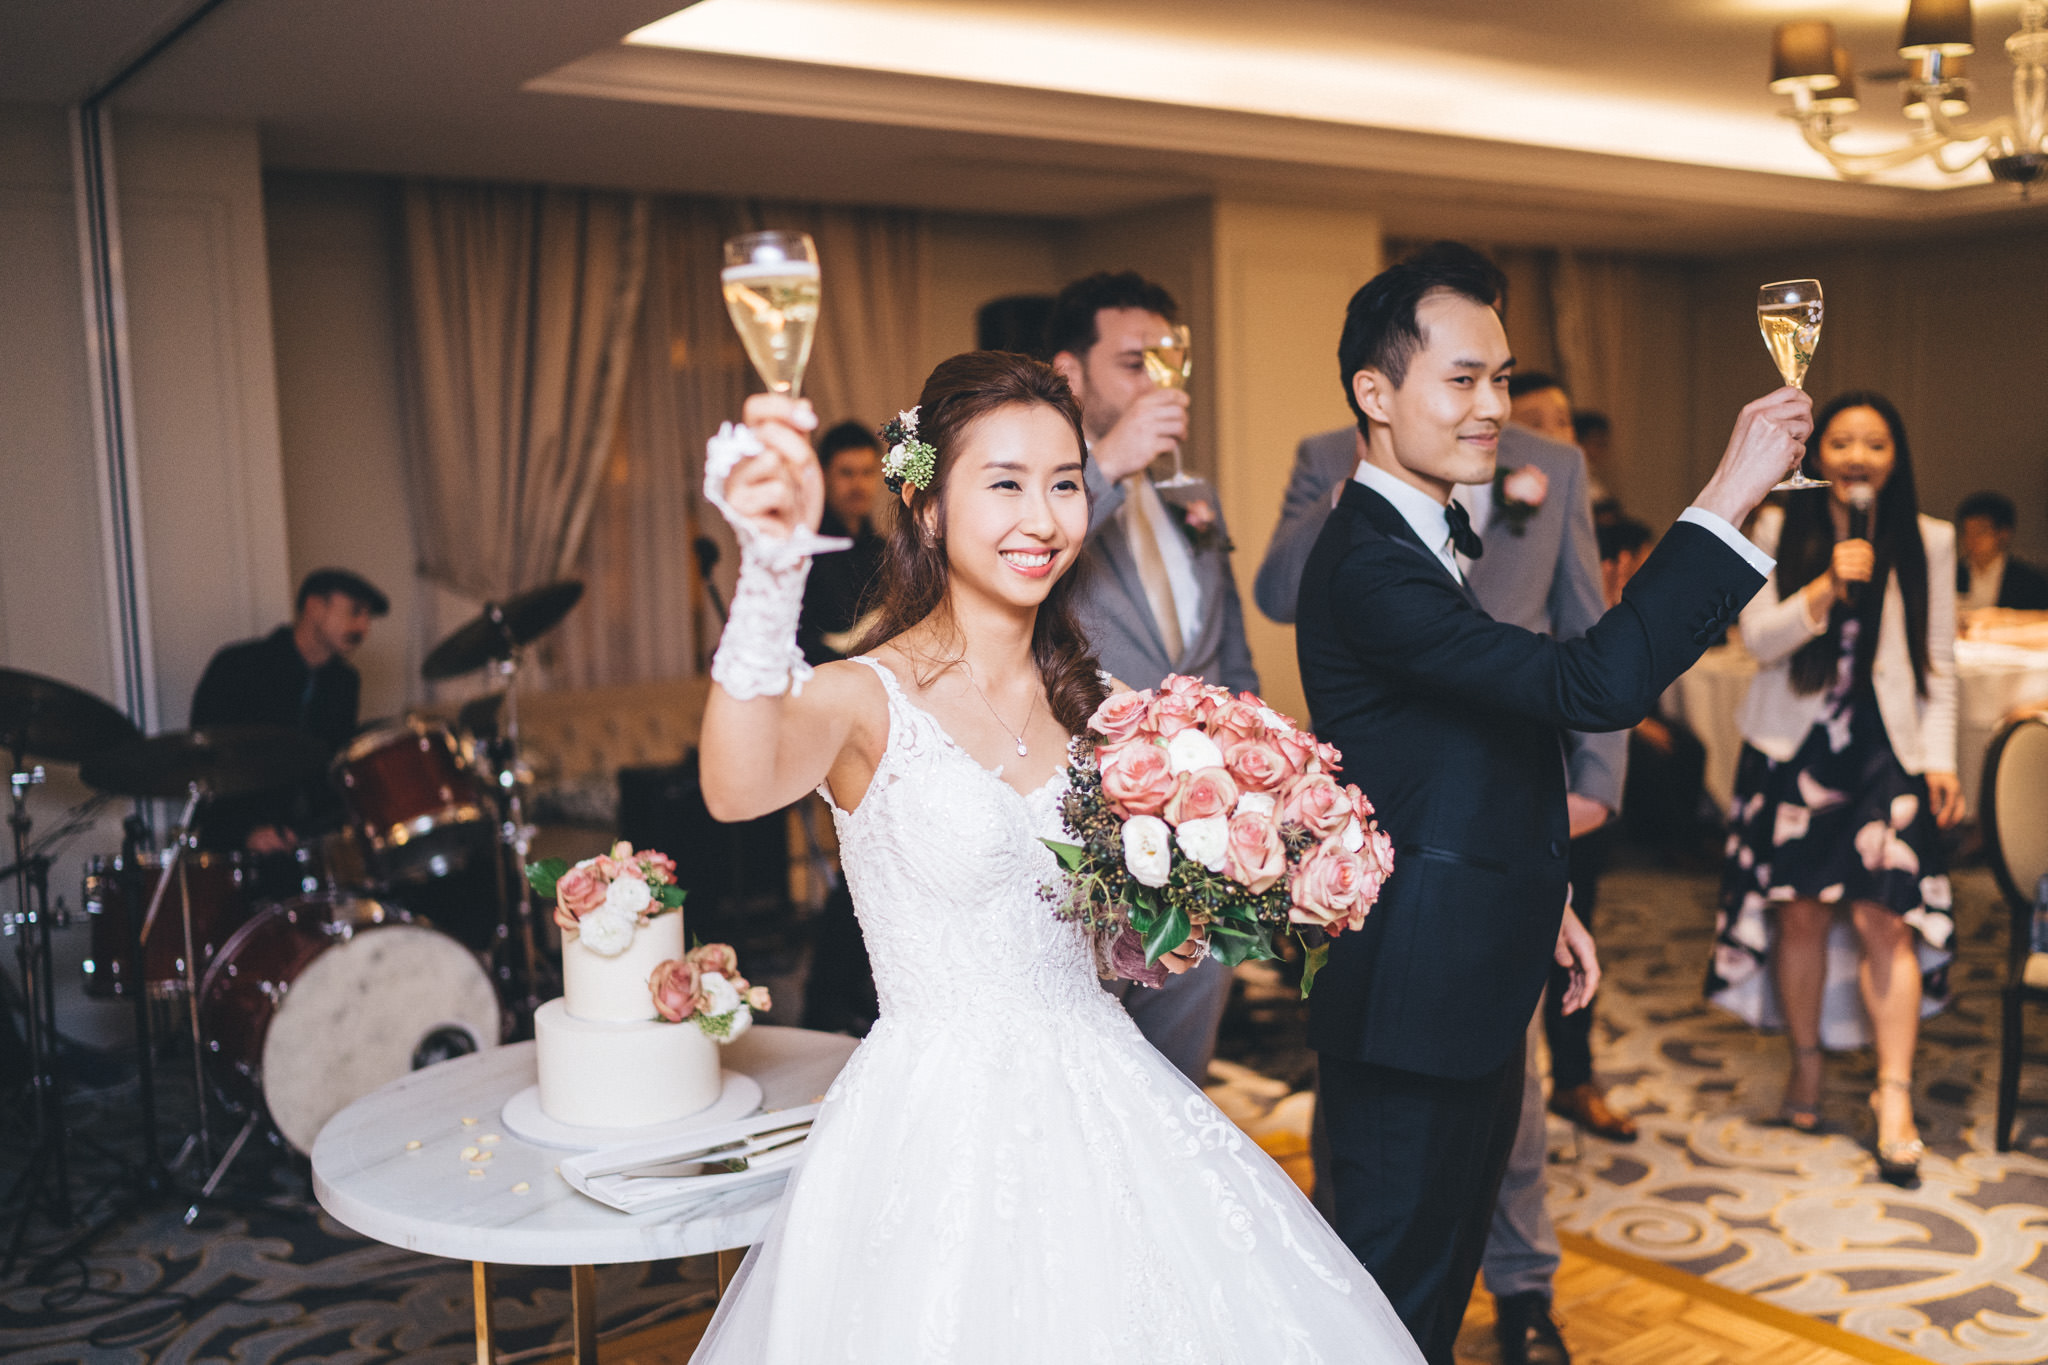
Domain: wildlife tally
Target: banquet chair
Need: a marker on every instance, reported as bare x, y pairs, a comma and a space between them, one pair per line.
2015, 813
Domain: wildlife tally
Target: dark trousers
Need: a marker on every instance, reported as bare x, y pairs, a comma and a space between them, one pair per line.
1415, 1163
1571, 1035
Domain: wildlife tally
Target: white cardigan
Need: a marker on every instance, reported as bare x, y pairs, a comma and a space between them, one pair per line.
1922, 730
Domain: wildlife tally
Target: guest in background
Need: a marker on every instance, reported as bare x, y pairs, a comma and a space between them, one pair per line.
1667, 764
851, 456
1157, 595
1986, 573
1595, 436
1848, 770
1539, 403
299, 677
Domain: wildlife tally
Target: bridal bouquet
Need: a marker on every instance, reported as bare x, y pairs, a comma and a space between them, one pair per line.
1189, 808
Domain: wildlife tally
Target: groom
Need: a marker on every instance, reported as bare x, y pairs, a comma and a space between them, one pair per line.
1453, 723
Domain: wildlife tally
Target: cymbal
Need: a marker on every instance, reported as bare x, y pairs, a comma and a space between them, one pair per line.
54, 720
501, 628
226, 760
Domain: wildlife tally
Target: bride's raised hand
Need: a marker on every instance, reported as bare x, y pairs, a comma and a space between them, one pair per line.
781, 490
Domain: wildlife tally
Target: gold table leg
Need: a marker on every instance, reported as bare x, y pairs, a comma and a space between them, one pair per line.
728, 1266
583, 1308
486, 1333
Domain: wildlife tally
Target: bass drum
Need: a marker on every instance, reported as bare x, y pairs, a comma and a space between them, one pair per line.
318, 1001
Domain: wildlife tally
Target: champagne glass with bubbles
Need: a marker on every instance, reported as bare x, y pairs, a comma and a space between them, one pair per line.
1168, 362
1788, 313
771, 287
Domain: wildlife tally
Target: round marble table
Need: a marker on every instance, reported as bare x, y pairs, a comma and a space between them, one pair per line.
423, 1198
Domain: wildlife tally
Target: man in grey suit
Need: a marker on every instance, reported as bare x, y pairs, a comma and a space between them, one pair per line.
1157, 594
1541, 571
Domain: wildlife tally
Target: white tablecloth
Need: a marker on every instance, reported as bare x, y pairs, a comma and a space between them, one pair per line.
1992, 681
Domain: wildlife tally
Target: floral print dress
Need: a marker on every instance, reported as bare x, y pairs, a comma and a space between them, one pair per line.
1840, 821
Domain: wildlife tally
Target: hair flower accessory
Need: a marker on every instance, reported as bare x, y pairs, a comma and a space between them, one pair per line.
909, 461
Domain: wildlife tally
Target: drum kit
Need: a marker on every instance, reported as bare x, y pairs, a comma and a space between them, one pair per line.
302, 980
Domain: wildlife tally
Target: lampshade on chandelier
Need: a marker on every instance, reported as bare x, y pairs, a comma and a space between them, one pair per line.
1808, 64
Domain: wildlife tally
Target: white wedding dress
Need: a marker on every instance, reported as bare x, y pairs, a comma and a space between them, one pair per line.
1006, 1171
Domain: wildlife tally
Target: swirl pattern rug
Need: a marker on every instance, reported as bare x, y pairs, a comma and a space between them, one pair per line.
1955, 1271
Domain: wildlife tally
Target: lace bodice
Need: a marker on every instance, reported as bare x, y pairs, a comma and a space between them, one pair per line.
944, 861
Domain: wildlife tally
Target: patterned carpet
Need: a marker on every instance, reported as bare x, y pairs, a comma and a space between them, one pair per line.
1956, 1271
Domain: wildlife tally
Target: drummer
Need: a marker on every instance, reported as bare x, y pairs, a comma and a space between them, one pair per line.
297, 676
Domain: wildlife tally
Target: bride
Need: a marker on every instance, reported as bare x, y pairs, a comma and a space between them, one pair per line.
1005, 1171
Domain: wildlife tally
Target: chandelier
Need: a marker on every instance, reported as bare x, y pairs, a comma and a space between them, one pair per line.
1808, 64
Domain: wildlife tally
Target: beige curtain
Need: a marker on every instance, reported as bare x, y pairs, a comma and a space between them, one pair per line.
647, 614
520, 307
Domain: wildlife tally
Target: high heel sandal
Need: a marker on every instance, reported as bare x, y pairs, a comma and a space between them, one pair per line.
1801, 1118
1897, 1162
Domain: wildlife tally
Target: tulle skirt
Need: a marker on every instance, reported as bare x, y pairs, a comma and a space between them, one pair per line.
1047, 1190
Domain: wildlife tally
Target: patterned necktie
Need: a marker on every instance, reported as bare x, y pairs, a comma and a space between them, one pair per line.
1142, 525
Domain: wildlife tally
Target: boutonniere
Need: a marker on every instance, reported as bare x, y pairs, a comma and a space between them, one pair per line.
1198, 521
1517, 493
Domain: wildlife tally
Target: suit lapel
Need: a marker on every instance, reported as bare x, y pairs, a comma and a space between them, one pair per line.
1390, 523
1114, 543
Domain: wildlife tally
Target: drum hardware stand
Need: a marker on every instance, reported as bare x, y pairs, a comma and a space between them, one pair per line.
517, 834
46, 1181
136, 836
181, 839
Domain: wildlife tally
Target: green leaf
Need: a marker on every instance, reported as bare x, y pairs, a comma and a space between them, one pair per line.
1071, 856
1312, 964
1145, 915
1171, 930
670, 896
1232, 908
542, 876
1230, 947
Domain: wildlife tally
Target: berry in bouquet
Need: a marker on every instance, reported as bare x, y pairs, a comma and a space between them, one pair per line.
1192, 810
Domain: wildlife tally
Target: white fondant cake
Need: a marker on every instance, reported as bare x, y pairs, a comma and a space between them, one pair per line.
607, 1059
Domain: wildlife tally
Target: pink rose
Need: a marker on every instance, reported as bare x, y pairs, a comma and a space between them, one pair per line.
1297, 747
1257, 764
716, 957
1202, 794
578, 891
1361, 805
1526, 485
674, 986
1236, 718
1326, 754
757, 999
1317, 804
1173, 712
657, 868
1181, 685
1378, 854
1330, 889
1121, 716
1135, 777
1254, 858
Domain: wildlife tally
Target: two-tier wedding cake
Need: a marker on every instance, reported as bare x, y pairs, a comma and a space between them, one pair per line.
633, 1040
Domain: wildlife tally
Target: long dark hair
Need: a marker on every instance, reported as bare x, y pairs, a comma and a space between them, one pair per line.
1807, 546
915, 574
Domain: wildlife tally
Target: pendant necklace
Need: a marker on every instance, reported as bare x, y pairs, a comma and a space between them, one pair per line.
1022, 752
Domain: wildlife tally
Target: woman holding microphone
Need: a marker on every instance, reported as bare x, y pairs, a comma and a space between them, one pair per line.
1847, 772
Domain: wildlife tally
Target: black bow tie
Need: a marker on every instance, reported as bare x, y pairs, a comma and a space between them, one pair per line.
1464, 539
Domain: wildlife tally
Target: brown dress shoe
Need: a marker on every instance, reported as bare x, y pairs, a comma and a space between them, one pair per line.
1587, 1107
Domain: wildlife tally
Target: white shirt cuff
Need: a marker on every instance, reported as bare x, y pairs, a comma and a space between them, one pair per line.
1732, 538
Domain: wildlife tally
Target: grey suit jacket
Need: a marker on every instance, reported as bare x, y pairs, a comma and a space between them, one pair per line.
1545, 577
1118, 620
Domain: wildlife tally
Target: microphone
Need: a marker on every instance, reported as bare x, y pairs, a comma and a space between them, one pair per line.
1861, 498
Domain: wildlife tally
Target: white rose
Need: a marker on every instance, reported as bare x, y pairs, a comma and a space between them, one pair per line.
742, 1020
1148, 851
1353, 837
1256, 803
1191, 749
719, 995
606, 931
1274, 720
1205, 840
628, 896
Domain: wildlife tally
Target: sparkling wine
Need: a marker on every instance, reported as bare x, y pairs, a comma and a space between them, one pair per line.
774, 307
1791, 331
1169, 366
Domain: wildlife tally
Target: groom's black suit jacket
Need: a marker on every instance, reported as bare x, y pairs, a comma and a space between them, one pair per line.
1451, 723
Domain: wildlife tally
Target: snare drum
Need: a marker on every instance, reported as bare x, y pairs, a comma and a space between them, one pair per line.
318, 1001
220, 891
420, 811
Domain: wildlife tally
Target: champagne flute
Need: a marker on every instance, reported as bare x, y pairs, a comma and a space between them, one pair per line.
1169, 362
1788, 314
772, 289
